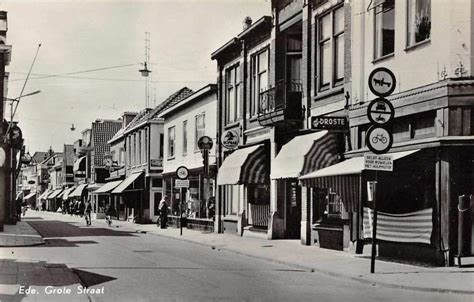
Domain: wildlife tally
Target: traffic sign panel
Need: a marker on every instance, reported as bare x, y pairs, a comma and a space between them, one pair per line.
380, 111
182, 172
382, 82
378, 162
378, 139
181, 183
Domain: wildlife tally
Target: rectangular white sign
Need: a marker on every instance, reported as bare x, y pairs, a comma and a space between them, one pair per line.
181, 183
379, 162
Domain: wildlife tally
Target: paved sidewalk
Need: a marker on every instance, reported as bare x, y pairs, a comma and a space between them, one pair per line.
20, 234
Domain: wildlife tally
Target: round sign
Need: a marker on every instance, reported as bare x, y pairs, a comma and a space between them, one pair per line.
230, 139
378, 139
380, 111
205, 143
382, 82
182, 172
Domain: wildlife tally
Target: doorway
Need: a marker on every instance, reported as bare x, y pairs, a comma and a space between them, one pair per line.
293, 209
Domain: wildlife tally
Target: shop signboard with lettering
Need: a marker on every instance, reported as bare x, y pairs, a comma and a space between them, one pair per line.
329, 123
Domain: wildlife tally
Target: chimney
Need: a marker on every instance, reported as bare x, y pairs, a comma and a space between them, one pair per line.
127, 117
247, 22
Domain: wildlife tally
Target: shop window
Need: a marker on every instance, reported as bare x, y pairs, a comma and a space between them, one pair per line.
418, 21
200, 129
259, 79
331, 49
424, 126
156, 182
384, 32
401, 130
334, 205
171, 142
232, 199
258, 194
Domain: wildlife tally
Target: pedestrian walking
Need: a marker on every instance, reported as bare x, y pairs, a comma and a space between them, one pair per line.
109, 212
163, 210
87, 212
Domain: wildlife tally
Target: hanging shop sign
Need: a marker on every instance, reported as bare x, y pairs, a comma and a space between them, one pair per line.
230, 139
329, 123
16, 137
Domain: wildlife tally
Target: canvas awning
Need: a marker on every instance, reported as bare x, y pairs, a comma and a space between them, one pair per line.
31, 195
55, 193
45, 194
80, 164
123, 186
304, 154
344, 178
107, 187
78, 191
67, 192
245, 166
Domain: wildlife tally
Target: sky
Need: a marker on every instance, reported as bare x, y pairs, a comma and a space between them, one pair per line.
78, 36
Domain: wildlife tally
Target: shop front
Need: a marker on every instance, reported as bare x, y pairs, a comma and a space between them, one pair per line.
301, 155
244, 177
131, 204
103, 199
407, 200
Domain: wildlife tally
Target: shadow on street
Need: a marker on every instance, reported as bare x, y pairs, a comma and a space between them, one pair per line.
56, 228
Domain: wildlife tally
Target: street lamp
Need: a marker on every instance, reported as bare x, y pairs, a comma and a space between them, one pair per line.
13, 111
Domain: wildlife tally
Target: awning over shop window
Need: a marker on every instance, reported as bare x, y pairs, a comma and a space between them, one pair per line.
29, 196
123, 186
78, 191
45, 194
344, 178
245, 166
80, 164
304, 154
55, 193
107, 187
67, 192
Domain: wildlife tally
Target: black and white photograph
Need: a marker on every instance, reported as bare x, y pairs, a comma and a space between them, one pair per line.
237, 150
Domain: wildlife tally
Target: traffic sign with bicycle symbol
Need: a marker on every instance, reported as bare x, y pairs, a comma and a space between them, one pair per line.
379, 139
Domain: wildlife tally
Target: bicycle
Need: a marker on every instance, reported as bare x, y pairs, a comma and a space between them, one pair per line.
379, 137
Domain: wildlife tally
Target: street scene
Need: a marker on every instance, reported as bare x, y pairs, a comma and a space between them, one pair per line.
237, 150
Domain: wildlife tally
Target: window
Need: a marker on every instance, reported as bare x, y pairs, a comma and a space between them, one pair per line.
200, 129
129, 146
233, 94
171, 142
185, 138
259, 79
162, 141
294, 59
334, 205
331, 49
145, 138
419, 21
139, 147
384, 39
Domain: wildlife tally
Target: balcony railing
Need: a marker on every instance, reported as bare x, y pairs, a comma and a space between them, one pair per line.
284, 97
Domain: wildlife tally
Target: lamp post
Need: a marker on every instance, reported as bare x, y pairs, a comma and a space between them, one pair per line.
13, 142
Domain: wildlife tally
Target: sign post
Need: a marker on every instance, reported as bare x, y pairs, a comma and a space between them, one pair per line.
182, 182
379, 139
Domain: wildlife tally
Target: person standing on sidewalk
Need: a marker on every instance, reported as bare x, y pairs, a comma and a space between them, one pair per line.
87, 212
163, 208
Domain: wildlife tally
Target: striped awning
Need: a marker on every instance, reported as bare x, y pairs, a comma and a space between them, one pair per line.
245, 166
55, 193
304, 154
67, 192
344, 178
78, 191
45, 194
107, 187
125, 184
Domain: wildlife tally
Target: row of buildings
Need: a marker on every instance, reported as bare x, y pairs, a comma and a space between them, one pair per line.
273, 172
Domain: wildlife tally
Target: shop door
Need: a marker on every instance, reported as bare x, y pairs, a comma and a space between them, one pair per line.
293, 209
155, 198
